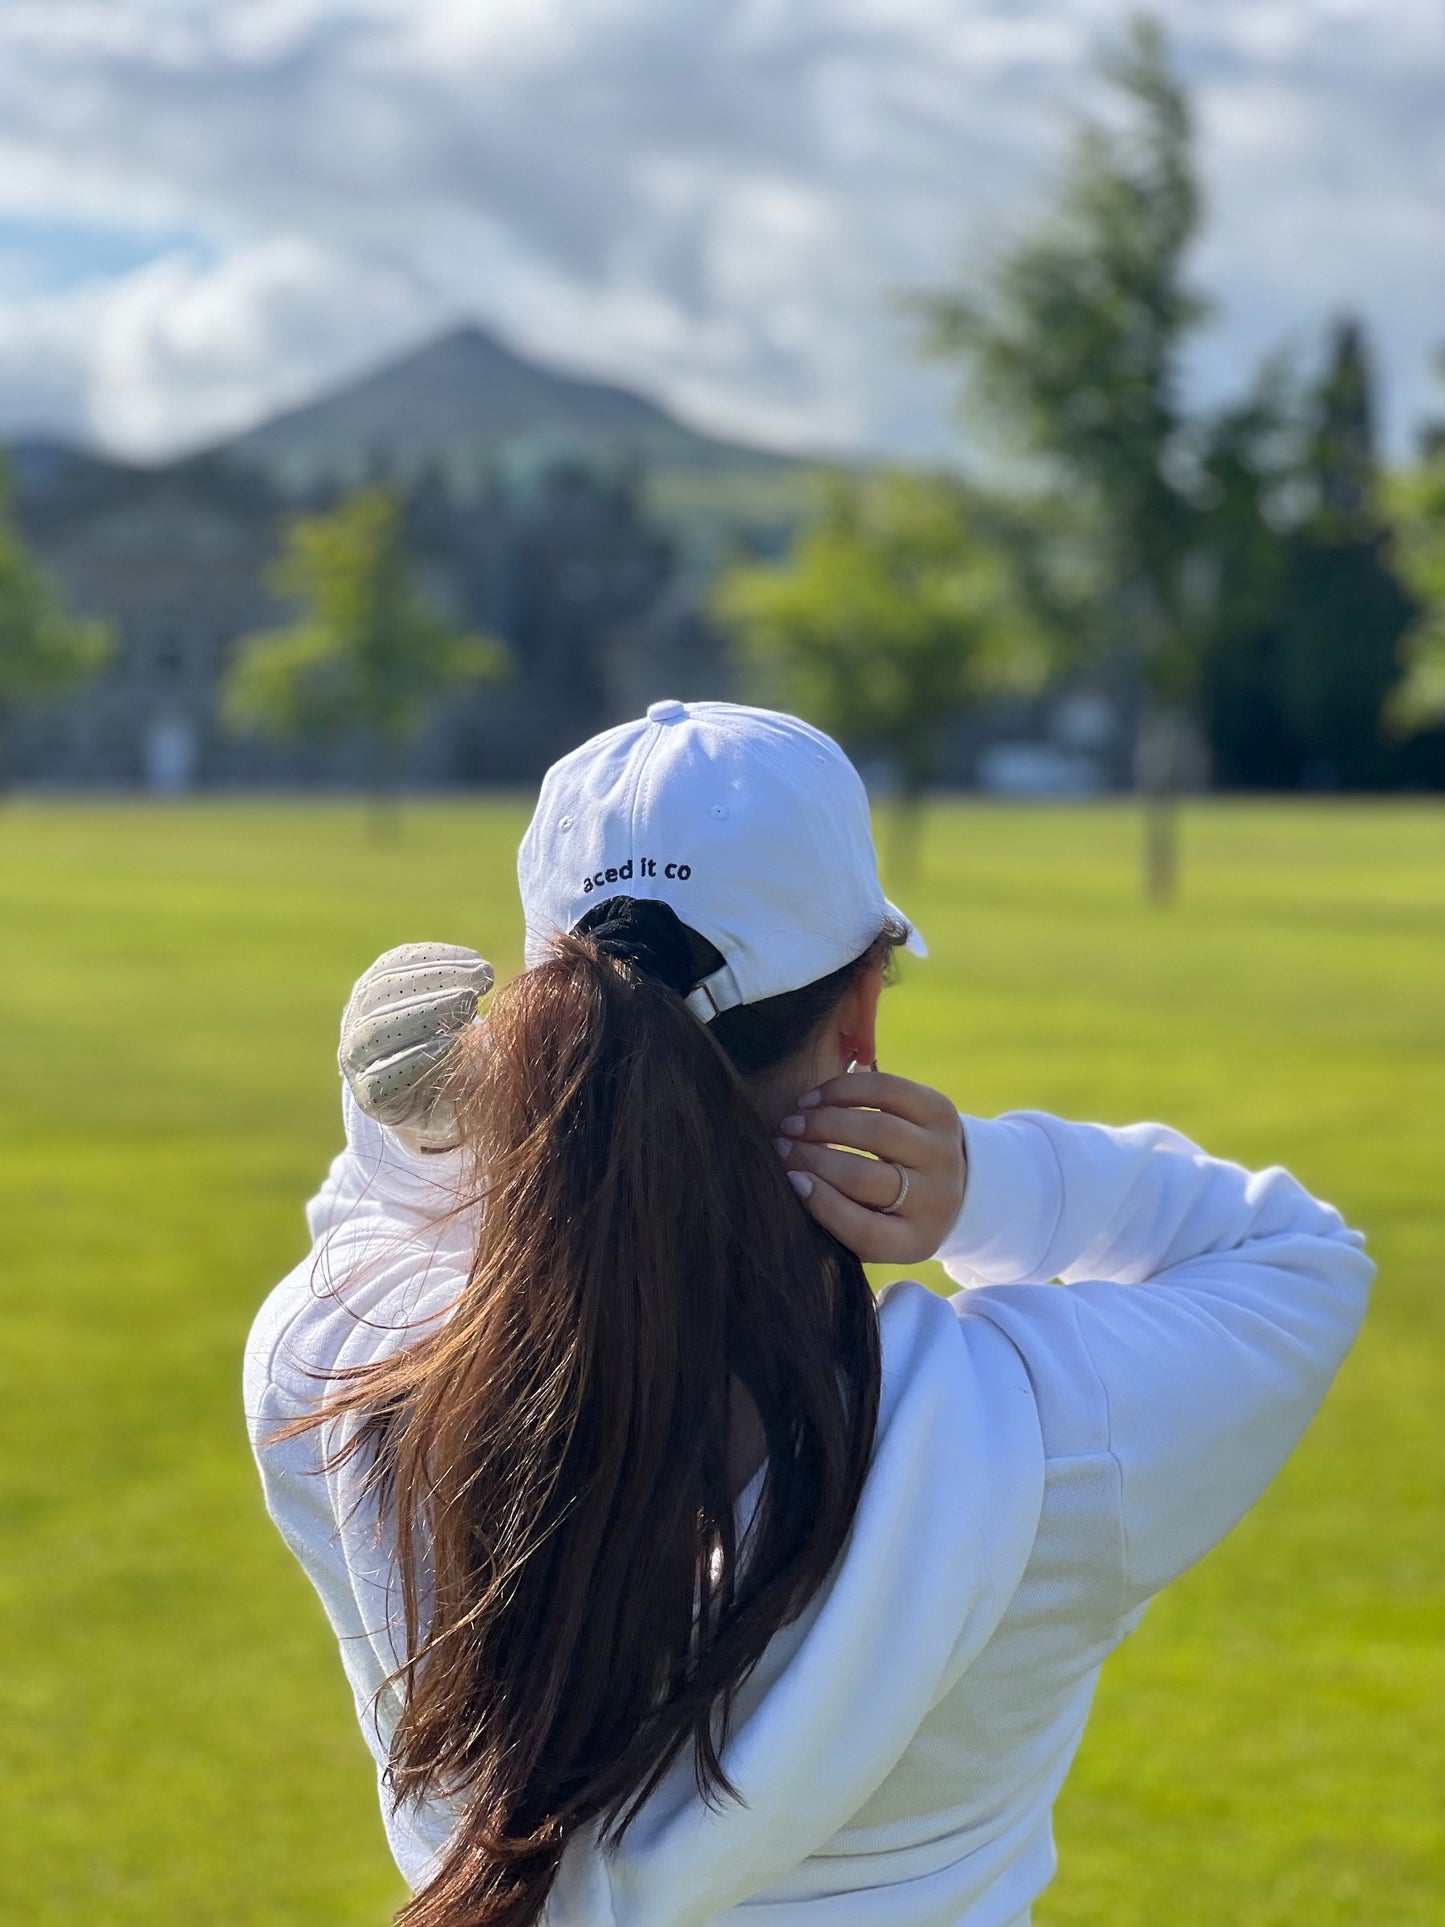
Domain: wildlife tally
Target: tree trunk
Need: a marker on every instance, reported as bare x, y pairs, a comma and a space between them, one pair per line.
905, 826
1157, 776
383, 804
1161, 847
383, 813
905, 841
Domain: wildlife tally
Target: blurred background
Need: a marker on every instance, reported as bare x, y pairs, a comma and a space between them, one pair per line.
1046, 400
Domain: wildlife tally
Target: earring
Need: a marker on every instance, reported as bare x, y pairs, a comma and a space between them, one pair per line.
853, 1064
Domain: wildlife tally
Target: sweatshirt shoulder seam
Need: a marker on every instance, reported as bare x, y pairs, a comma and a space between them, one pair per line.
1125, 1562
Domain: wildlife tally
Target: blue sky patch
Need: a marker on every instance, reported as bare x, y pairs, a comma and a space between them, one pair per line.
44, 256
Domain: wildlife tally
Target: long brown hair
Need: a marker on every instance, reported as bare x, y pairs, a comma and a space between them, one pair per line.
553, 1461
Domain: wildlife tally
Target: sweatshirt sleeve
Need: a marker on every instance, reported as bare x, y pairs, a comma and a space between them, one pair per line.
376, 1178
393, 1234
1205, 1313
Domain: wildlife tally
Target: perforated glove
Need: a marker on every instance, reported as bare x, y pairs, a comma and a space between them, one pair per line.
397, 1032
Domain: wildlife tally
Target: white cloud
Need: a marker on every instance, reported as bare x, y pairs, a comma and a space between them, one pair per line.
44, 361
182, 342
715, 204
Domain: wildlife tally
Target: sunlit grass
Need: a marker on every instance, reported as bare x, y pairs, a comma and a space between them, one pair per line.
179, 1745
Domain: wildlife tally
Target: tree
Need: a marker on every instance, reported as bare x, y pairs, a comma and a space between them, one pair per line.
43, 652
1248, 462
1073, 345
1309, 613
889, 618
369, 656
1417, 501
1344, 609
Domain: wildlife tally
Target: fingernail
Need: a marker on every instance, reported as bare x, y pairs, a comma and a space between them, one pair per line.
800, 1182
783, 1146
794, 1126
807, 1103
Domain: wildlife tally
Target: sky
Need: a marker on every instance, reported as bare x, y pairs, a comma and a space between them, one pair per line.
213, 209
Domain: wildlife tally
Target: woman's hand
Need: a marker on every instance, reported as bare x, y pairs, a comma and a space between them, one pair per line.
397, 1032
908, 1128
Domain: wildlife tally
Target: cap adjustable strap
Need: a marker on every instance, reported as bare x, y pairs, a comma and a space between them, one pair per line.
714, 995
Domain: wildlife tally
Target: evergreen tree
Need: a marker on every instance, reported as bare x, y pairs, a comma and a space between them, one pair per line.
1417, 500
1299, 668
1344, 610
1248, 458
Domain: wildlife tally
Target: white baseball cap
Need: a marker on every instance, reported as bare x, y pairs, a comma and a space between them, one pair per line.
751, 825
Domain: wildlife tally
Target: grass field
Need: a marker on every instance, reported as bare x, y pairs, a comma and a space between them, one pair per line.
179, 1749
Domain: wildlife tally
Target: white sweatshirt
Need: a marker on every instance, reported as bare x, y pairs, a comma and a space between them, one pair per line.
1048, 1457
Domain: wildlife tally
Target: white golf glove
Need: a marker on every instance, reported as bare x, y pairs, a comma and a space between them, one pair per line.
397, 1031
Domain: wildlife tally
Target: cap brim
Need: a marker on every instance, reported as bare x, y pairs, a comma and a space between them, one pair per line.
914, 944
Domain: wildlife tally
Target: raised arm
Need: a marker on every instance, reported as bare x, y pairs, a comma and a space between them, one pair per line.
1205, 1309
1205, 1312
393, 1232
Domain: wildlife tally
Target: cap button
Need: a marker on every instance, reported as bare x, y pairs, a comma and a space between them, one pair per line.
669, 710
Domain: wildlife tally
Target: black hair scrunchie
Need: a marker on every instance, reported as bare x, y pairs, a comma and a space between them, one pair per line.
646, 934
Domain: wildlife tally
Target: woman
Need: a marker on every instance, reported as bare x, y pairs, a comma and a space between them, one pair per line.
675, 1578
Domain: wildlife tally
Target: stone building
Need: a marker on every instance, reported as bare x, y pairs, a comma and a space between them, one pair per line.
174, 560
561, 564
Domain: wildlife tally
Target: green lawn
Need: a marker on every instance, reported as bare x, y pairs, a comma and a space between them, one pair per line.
180, 1748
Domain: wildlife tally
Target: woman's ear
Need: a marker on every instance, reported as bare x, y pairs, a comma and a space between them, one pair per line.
857, 1017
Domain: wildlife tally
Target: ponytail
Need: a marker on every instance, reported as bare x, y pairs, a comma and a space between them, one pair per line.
554, 1460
